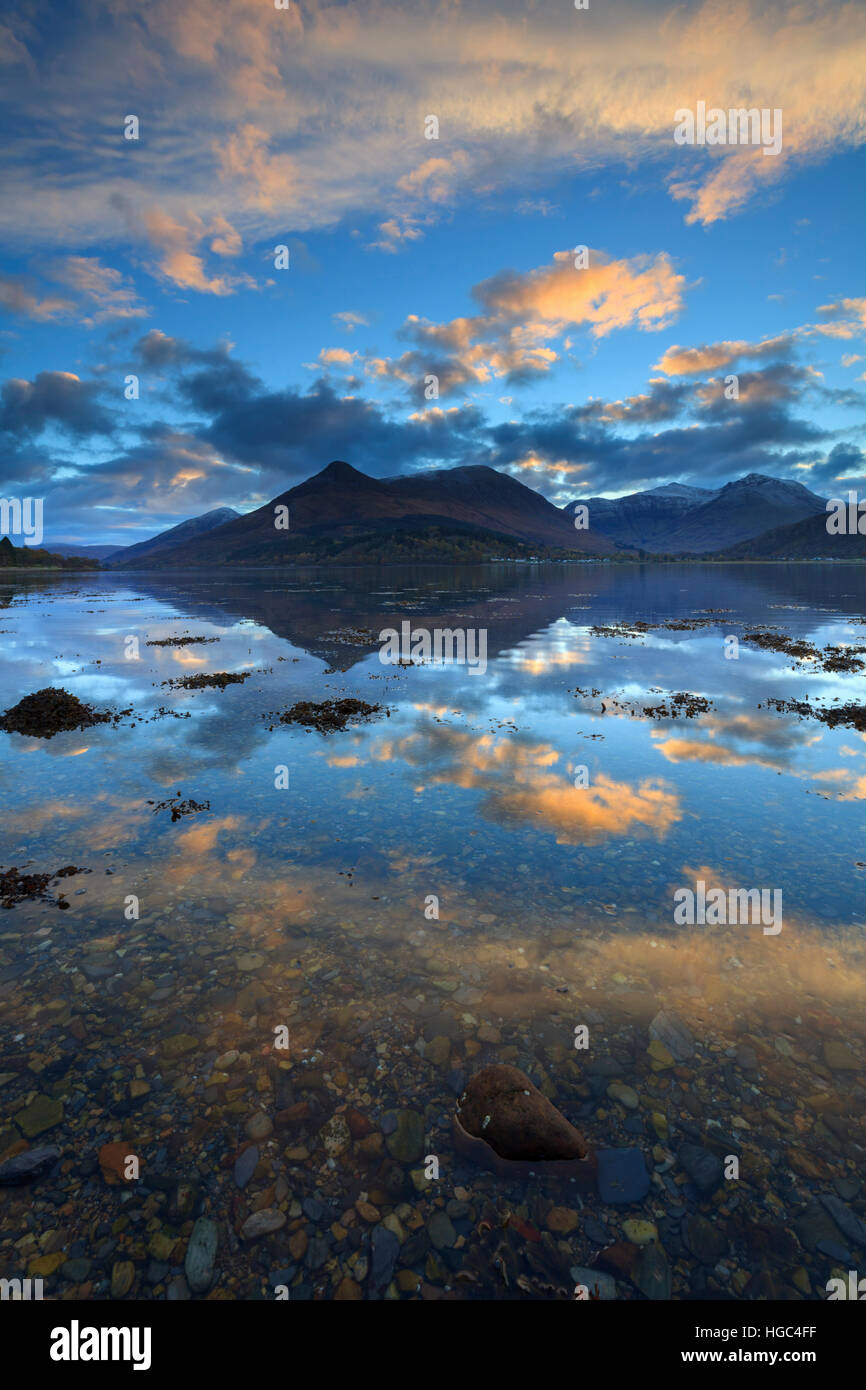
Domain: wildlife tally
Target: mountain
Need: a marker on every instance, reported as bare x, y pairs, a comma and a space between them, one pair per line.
643, 520
341, 513
679, 520
84, 552
805, 540
130, 556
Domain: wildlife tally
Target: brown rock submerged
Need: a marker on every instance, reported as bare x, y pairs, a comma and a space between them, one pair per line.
505, 1123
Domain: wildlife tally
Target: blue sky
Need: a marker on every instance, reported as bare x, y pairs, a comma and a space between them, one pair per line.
409, 256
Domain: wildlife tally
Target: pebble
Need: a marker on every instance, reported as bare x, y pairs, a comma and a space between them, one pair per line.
201, 1255
245, 1166
262, 1223
622, 1176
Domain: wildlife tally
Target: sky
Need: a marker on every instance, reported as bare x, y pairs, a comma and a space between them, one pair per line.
241, 239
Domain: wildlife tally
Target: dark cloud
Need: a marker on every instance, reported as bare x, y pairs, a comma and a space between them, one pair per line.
53, 398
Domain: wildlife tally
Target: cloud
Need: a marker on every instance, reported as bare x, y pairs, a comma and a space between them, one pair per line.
349, 320
180, 263
524, 312
52, 398
109, 293
683, 361
395, 233
17, 296
307, 115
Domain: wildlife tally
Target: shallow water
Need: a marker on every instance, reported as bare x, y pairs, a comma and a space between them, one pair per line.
552, 834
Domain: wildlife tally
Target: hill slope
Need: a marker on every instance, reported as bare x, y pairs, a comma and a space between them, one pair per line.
341, 511
130, 556
805, 540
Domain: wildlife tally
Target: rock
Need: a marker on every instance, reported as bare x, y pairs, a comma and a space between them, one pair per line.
437, 1051
385, 1247
671, 1031
298, 1243
359, 1125
46, 1265
440, 1230
335, 1136
259, 1126
660, 1125
201, 1254
178, 1045
263, 1223
317, 1253
122, 1275
705, 1242
245, 1166
704, 1169
639, 1232
622, 1176
815, 1225
178, 1290
594, 1231
44, 1113
835, 1250
660, 1056
113, 1161
652, 1273
747, 1058
808, 1165
406, 1142
29, 1166
76, 1271
848, 1222
249, 961
839, 1056
598, 1285
348, 1291
562, 1220
617, 1090
502, 1106
161, 1246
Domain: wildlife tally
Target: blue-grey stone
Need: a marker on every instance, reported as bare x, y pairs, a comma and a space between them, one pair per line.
622, 1176
385, 1248
201, 1254
245, 1165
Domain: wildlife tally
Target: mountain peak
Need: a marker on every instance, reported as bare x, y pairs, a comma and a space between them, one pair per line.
339, 472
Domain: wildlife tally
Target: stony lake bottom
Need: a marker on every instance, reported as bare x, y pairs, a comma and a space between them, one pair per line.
480, 868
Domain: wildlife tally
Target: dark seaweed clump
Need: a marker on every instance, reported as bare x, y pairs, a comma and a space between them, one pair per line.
178, 807
18, 887
51, 711
180, 641
326, 715
214, 680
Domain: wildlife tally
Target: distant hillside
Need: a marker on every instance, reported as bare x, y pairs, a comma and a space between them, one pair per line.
678, 520
340, 513
805, 540
643, 520
28, 557
133, 556
84, 552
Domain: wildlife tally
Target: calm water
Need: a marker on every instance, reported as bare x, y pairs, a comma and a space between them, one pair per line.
553, 835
